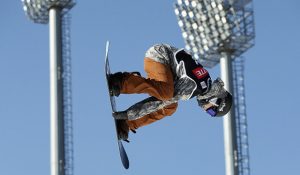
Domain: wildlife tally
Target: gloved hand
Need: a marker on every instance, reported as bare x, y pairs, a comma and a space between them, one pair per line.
208, 101
217, 101
216, 91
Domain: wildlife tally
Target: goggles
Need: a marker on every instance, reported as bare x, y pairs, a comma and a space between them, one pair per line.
214, 103
212, 111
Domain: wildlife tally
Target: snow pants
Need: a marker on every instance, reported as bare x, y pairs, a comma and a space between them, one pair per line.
159, 84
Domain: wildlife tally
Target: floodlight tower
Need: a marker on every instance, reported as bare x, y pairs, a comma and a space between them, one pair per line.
55, 12
219, 31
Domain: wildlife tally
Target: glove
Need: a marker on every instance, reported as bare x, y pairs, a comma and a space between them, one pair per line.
216, 91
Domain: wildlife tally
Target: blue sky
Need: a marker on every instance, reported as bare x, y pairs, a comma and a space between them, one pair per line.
189, 142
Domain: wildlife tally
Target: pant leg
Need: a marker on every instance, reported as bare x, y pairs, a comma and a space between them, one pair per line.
159, 82
152, 117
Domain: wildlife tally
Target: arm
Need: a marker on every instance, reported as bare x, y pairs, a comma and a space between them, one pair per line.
147, 106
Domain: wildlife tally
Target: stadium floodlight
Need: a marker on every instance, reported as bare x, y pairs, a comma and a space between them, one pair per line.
38, 10
52, 12
224, 30
226, 24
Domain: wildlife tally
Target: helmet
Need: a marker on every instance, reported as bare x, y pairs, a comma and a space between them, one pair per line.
220, 106
217, 101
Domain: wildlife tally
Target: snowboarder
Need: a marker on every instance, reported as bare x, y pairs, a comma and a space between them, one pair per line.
172, 75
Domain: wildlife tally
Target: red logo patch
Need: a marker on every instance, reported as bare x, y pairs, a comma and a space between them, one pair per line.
200, 72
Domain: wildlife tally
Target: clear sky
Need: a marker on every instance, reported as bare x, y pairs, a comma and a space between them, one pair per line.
189, 142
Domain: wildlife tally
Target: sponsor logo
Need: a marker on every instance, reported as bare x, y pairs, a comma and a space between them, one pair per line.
200, 72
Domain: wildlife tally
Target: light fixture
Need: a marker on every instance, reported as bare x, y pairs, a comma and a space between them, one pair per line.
214, 22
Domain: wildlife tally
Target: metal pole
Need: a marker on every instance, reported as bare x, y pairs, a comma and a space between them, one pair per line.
56, 93
229, 123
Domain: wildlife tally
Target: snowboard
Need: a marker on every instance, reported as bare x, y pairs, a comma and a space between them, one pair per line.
123, 154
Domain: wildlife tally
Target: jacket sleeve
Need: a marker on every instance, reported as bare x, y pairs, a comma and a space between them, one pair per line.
148, 106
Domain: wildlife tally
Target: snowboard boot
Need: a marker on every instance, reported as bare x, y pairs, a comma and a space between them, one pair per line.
122, 130
116, 81
122, 126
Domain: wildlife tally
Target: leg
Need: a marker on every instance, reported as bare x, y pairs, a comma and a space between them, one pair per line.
143, 113
152, 117
159, 83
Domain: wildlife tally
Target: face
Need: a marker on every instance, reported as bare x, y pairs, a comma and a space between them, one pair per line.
207, 106
210, 107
